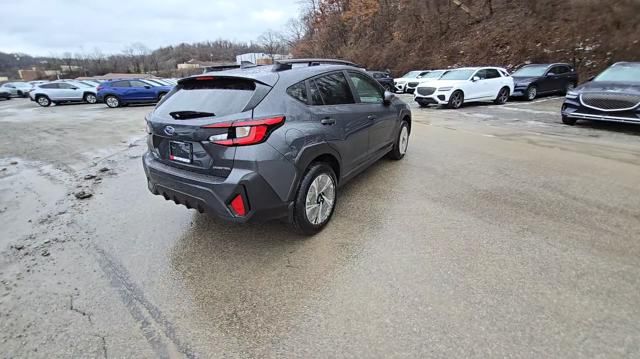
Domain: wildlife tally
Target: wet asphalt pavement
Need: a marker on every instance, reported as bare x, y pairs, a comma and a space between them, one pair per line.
502, 233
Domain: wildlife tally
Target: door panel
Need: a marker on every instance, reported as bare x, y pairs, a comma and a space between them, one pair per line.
140, 92
370, 98
347, 129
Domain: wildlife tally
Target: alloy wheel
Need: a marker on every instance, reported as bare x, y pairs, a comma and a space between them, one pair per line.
504, 96
91, 99
112, 102
320, 199
457, 100
404, 140
532, 92
43, 101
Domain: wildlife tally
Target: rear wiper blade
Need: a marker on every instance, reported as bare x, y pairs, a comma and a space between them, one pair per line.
185, 115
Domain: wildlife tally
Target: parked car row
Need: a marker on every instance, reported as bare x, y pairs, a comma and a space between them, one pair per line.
613, 95
114, 93
454, 87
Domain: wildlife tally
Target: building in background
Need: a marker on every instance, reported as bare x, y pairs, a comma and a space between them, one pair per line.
197, 64
260, 58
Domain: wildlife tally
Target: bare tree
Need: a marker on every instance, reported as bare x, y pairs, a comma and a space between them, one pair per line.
271, 41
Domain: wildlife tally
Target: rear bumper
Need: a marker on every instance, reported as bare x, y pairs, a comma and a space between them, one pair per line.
213, 194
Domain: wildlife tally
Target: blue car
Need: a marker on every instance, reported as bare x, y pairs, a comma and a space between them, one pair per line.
116, 93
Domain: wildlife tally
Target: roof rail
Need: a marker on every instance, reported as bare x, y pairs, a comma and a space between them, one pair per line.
283, 65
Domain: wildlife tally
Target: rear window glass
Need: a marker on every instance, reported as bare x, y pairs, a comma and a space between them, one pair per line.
298, 91
220, 97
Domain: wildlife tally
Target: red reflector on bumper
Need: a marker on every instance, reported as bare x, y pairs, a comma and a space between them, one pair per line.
237, 205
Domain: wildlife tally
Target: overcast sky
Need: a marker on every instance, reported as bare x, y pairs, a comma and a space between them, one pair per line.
45, 27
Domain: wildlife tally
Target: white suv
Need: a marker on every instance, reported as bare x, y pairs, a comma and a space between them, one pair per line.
430, 75
469, 84
62, 92
400, 83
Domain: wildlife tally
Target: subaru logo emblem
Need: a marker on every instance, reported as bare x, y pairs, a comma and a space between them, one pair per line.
169, 130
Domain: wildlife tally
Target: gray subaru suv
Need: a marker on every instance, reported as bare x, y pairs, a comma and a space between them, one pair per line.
272, 142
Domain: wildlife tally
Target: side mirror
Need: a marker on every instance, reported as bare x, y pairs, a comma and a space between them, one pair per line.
591, 78
388, 97
74, 88
147, 86
475, 78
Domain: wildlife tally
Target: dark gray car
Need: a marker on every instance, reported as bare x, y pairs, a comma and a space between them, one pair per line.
271, 142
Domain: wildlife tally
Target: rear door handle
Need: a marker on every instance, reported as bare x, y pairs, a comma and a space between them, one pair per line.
328, 121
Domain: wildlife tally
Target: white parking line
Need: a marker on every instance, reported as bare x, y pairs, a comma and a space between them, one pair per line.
527, 110
532, 102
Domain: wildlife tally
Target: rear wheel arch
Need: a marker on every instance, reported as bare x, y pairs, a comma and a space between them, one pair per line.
320, 152
406, 117
329, 159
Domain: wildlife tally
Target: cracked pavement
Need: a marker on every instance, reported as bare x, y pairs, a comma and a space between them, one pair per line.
503, 233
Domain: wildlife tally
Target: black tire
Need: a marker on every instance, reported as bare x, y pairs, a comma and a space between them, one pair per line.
569, 121
400, 147
20, 94
90, 98
301, 223
112, 101
531, 93
456, 100
43, 101
503, 96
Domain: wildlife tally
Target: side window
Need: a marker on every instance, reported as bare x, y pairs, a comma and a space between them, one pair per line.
492, 73
482, 74
136, 83
64, 85
316, 98
120, 84
334, 89
299, 92
49, 86
368, 91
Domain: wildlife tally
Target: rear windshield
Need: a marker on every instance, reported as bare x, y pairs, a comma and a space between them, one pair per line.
219, 97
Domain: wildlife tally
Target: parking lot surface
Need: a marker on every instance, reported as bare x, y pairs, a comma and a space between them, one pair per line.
501, 233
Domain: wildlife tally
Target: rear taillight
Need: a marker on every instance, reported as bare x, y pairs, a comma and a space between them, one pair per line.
243, 133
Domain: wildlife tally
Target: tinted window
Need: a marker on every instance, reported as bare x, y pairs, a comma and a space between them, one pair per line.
491, 73
316, 98
482, 74
136, 83
49, 86
120, 84
64, 85
220, 97
334, 89
298, 91
367, 90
